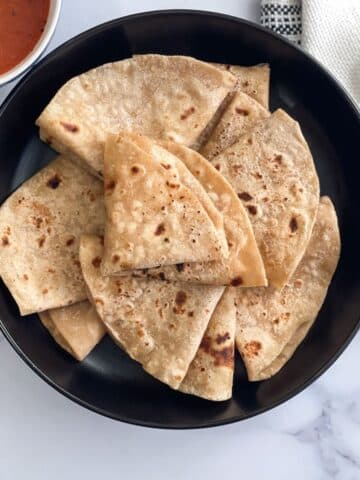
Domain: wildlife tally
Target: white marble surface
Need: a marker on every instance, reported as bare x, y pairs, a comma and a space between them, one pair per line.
315, 436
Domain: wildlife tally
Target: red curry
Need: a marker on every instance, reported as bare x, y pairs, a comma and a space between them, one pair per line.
21, 24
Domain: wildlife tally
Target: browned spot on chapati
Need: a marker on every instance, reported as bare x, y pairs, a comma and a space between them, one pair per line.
252, 348
245, 196
37, 221
96, 262
91, 196
278, 159
165, 165
70, 127
70, 241
135, 169
178, 378
115, 258
54, 181
298, 283
223, 357
5, 241
162, 276
160, 229
178, 310
242, 111
41, 241
217, 166
45, 291
293, 224
110, 185
99, 301
180, 298
77, 263
180, 267
25, 277
252, 209
101, 239
189, 111
245, 83
172, 185
51, 270
222, 338
235, 282
190, 314
206, 344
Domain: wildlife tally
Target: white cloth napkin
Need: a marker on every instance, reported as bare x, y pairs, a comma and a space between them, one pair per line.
330, 32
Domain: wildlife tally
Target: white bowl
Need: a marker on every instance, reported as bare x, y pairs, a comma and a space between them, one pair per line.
39, 48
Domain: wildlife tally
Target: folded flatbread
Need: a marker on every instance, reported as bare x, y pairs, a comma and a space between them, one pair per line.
40, 226
242, 114
272, 323
211, 373
165, 97
272, 171
157, 213
244, 265
253, 80
159, 324
252, 83
77, 328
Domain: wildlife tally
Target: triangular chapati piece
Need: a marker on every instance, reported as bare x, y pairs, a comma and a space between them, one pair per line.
252, 83
244, 265
159, 324
253, 80
40, 226
272, 323
211, 373
77, 328
164, 97
242, 114
272, 171
157, 213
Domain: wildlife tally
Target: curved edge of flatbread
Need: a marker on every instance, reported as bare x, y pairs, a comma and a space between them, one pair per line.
211, 373
77, 328
272, 323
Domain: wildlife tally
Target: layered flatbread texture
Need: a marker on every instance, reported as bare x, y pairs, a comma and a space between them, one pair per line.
211, 373
158, 323
164, 97
272, 171
40, 226
77, 328
252, 80
242, 114
157, 213
244, 265
272, 323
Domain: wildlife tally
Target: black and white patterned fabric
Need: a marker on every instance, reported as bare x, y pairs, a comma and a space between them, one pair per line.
283, 17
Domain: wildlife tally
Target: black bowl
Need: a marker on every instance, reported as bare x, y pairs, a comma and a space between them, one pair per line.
107, 381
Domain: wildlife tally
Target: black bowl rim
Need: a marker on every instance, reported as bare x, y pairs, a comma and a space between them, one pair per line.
335, 84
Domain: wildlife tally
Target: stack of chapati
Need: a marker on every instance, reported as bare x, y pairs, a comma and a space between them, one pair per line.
182, 218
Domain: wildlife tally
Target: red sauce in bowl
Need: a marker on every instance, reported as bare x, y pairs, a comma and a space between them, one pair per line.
22, 23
